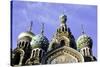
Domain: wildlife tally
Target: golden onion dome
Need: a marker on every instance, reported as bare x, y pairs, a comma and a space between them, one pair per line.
26, 34
84, 41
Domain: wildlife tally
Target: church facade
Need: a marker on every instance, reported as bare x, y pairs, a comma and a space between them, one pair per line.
63, 48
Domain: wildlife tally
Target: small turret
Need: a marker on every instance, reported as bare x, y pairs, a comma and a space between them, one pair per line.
39, 46
84, 46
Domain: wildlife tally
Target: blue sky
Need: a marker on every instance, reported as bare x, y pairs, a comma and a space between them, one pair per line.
48, 13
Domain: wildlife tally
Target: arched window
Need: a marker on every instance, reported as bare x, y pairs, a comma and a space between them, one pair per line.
33, 53
57, 30
26, 44
63, 29
40, 54
36, 52
62, 43
54, 45
23, 44
20, 44
84, 52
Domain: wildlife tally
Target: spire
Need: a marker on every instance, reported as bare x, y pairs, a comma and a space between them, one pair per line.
30, 27
82, 29
63, 17
42, 28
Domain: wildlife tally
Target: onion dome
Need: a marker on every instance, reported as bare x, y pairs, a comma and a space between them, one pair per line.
25, 38
40, 41
26, 34
84, 41
63, 18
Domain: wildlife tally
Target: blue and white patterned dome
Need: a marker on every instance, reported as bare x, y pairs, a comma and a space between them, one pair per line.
40, 41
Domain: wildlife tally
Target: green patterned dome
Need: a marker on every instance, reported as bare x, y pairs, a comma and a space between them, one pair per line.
40, 41
84, 41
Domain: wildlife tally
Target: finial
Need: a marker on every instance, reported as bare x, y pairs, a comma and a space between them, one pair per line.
42, 28
63, 13
63, 18
30, 27
82, 29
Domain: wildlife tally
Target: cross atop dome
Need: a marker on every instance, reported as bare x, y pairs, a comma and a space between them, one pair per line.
42, 28
83, 32
30, 27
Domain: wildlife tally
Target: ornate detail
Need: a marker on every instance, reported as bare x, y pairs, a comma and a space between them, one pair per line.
63, 51
21, 55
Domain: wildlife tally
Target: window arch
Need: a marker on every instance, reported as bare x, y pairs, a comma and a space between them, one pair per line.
26, 44
54, 45
33, 53
23, 44
40, 54
20, 44
62, 42
36, 52
84, 52
63, 29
